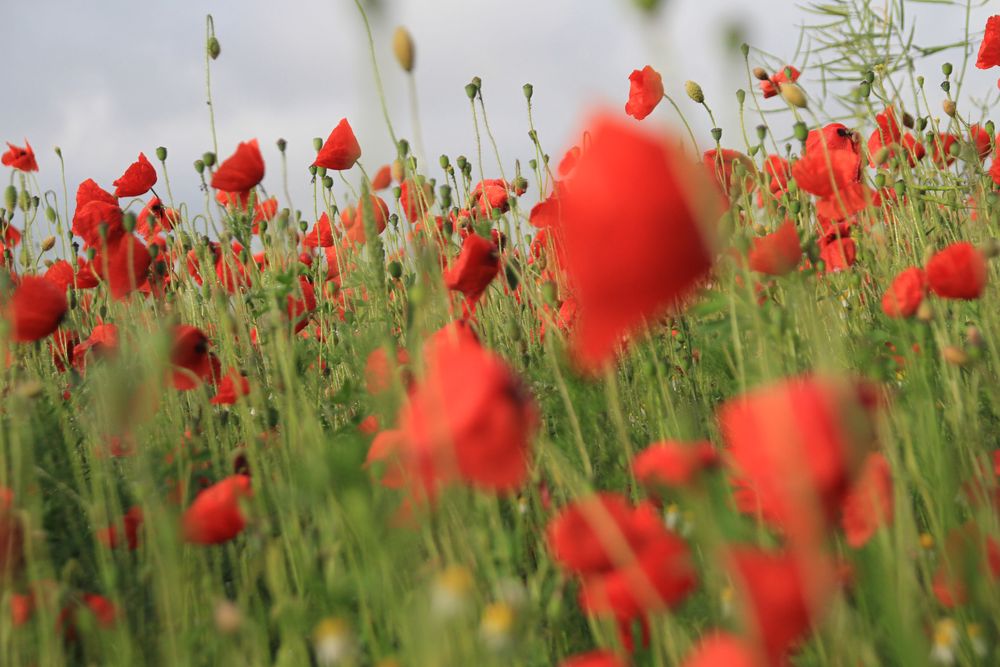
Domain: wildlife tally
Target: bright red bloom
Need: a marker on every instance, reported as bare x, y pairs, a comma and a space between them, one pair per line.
137, 179
868, 505
379, 372
111, 536
383, 178
548, 212
232, 386
982, 140
635, 234
241, 171
96, 209
989, 50
62, 275
798, 445
722, 163
838, 250
192, 363
474, 269
779, 172
905, 294
673, 464
942, 150
122, 265
155, 218
490, 194
594, 659
645, 92
215, 515
722, 650
20, 158
958, 272
321, 235
103, 340
772, 86
35, 309
776, 253
355, 225
831, 161
341, 149
300, 308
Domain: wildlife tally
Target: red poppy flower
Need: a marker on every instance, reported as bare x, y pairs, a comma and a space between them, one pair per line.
35, 309
645, 92
905, 294
779, 172
594, 659
942, 150
321, 235
837, 250
341, 149
232, 386
776, 253
830, 162
215, 515
722, 650
241, 171
490, 194
22, 608
547, 213
111, 536
137, 179
635, 234
958, 272
20, 158
61, 346
798, 445
300, 308
379, 372
968, 556
383, 178
673, 464
230, 270
156, 218
982, 140
415, 197
122, 265
722, 163
103, 340
474, 269
772, 86
568, 161
192, 363
355, 225
868, 505
989, 50
96, 210
11, 546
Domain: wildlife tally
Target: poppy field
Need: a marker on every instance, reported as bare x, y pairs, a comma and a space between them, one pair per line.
650, 399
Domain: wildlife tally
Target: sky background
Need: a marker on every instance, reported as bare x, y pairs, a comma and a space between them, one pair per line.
105, 80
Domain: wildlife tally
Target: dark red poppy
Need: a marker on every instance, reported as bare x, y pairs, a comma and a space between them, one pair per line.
355, 225
645, 92
905, 294
989, 50
189, 356
869, 504
155, 218
594, 659
489, 195
341, 149
673, 464
241, 171
111, 536
474, 269
635, 233
35, 309
777, 253
137, 179
20, 158
723, 650
232, 386
958, 272
772, 86
215, 516
322, 234
122, 265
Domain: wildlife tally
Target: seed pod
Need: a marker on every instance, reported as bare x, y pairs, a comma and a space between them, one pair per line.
209, 159
402, 48
48, 243
694, 91
760, 74
470, 91
950, 108
801, 131
741, 96
10, 197
397, 171
199, 166
793, 95
214, 49
528, 90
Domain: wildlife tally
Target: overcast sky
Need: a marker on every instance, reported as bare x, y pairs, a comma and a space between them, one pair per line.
105, 80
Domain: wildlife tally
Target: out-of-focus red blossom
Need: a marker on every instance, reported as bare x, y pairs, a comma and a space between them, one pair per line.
772, 86
383, 178
869, 504
673, 464
122, 265
845, 203
103, 340
777, 253
192, 363
628, 563
968, 556
958, 272
568, 161
215, 516
645, 92
489, 194
723, 650
722, 163
415, 196
22, 608
20, 158
10, 236
232, 386
299, 307
111, 536
97, 219
230, 270
989, 49
779, 172
137, 179
35, 309
797, 446
379, 372
942, 150
340, 150
62, 344
468, 419
241, 171
830, 162
982, 140
321, 234
838, 250
11, 545
636, 233
905, 294
474, 269
355, 225
62, 275
594, 659
547, 212
104, 611
155, 218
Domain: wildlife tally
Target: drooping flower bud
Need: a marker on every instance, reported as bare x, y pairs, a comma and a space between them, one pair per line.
694, 91
793, 95
402, 48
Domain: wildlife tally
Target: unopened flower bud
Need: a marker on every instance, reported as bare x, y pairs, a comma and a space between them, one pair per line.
741, 96
214, 49
946, 69
396, 171
209, 159
48, 243
10, 198
694, 91
881, 155
760, 74
402, 48
199, 166
528, 90
801, 131
161, 153
793, 95
950, 108
470, 91
282, 145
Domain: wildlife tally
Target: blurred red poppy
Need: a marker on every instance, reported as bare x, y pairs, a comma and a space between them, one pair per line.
958, 272
215, 515
594, 659
322, 234
232, 386
905, 294
474, 269
123, 265
190, 359
382, 179
242, 170
723, 650
111, 536
341, 149
35, 309
989, 49
645, 92
355, 225
137, 179
869, 504
771, 87
20, 158
777, 253
673, 464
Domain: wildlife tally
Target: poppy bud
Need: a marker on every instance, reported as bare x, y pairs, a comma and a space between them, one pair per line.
48, 243
908, 120
694, 91
397, 192
760, 74
470, 91
445, 196
879, 181
199, 166
50, 214
881, 155
402, 48
949, 107
793, 95
10, 197
990, 127
864, 90
946, 86
443, 161
320, 171
328, 182
209, 159
946, 69
761, 132
128, 221
282, 145
161, 153
312, 170
477, 82
801, 131
528, 90
920, 81
214, 49
741, 96
397, 171
317, 143
303, 225
745, 49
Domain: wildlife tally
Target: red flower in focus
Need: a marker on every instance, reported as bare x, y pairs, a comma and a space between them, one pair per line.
776, 253
111, 536
122, 265
232, 386
137, 179
673, 464
645, 92
355, 225
321, 235
341, 149
905, 294
20, 158
837, 249
958, 272
772, 86
156, 218
594, 659
798, 445
989, 50
489, 195
474, 269
869, 504
635, 234
722, 650
35, 309
215, 515
242, 170
97, 219
830, 162
192, 363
